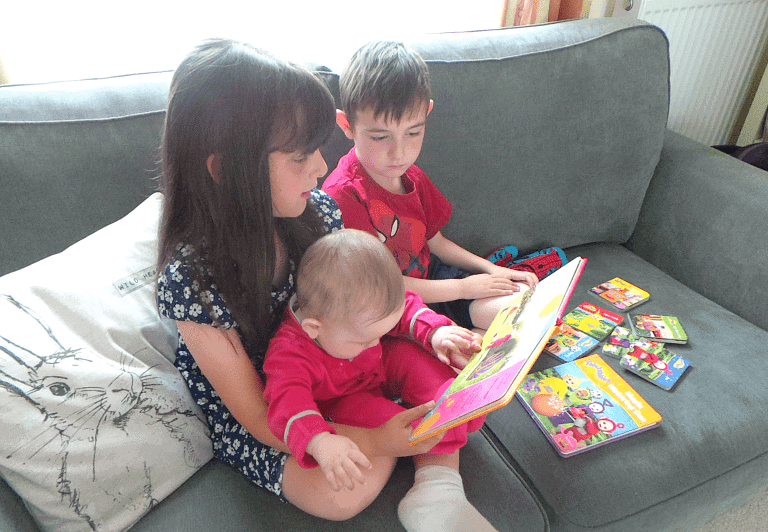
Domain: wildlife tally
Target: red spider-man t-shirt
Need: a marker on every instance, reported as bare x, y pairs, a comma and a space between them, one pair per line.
404, 222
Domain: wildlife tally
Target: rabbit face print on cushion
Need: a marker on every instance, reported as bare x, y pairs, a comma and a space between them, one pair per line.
98, 425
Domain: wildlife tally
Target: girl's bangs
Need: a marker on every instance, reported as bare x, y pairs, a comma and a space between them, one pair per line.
306, 118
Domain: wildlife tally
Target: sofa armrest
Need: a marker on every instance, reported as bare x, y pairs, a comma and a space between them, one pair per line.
704, 221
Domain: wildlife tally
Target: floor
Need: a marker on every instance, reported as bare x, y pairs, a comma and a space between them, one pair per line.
752, 517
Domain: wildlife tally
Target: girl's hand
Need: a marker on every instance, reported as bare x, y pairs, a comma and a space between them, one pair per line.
337, 456
455, 345
528, 278
391, 438
484, 285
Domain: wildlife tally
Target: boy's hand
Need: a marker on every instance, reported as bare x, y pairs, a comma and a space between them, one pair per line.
337, 456
528, 278
455, 345
483, 285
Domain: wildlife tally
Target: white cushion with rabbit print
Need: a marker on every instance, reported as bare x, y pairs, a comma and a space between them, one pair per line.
97, 424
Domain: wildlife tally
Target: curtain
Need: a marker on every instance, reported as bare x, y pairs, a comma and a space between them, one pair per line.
524, 12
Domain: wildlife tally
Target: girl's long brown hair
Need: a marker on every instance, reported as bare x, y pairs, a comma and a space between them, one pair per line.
231, 99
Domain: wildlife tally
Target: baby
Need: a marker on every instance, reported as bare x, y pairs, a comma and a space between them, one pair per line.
351, 340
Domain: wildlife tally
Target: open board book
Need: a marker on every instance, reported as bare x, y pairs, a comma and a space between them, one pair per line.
511, 345
584, 404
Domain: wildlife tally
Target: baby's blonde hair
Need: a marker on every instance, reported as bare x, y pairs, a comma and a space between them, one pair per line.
346, 273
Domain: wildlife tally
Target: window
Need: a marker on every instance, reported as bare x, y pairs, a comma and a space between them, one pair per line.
81, 39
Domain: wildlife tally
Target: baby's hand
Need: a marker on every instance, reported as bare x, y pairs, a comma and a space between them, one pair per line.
528, 278
455, 345
337, 456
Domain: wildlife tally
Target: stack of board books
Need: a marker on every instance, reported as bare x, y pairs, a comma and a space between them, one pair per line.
648, 359
583, 403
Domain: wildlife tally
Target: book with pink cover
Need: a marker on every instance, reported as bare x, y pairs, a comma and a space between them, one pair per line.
511, 345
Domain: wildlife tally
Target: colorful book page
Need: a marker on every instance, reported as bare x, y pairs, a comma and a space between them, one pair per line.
622, 341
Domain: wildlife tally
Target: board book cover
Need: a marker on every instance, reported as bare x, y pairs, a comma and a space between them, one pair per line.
593, 320
621, 294
510, 346
659, 328
623, 340
568, 344
585, 404
663, 369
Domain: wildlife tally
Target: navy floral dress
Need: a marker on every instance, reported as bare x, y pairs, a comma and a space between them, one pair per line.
180, 298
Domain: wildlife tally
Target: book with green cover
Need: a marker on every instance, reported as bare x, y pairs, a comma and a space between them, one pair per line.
593, 320
658, 328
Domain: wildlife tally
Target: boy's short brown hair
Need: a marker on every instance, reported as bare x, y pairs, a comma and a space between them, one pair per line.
346, 273
386, 76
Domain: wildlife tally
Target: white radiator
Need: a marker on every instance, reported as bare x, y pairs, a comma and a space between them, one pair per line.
714, 48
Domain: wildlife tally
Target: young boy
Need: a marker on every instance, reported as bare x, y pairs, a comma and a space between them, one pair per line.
352, 336
386, 97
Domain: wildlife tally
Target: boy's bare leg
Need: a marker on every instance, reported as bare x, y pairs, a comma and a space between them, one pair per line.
482, 311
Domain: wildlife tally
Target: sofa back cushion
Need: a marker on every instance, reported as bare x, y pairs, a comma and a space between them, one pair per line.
74, 157
520, 136
523, 133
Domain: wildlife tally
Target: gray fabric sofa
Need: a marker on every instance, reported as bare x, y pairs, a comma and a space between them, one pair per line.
547, 135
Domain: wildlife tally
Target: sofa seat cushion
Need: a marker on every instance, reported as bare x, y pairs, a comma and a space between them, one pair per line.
97, 423
713, 430
220, 498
